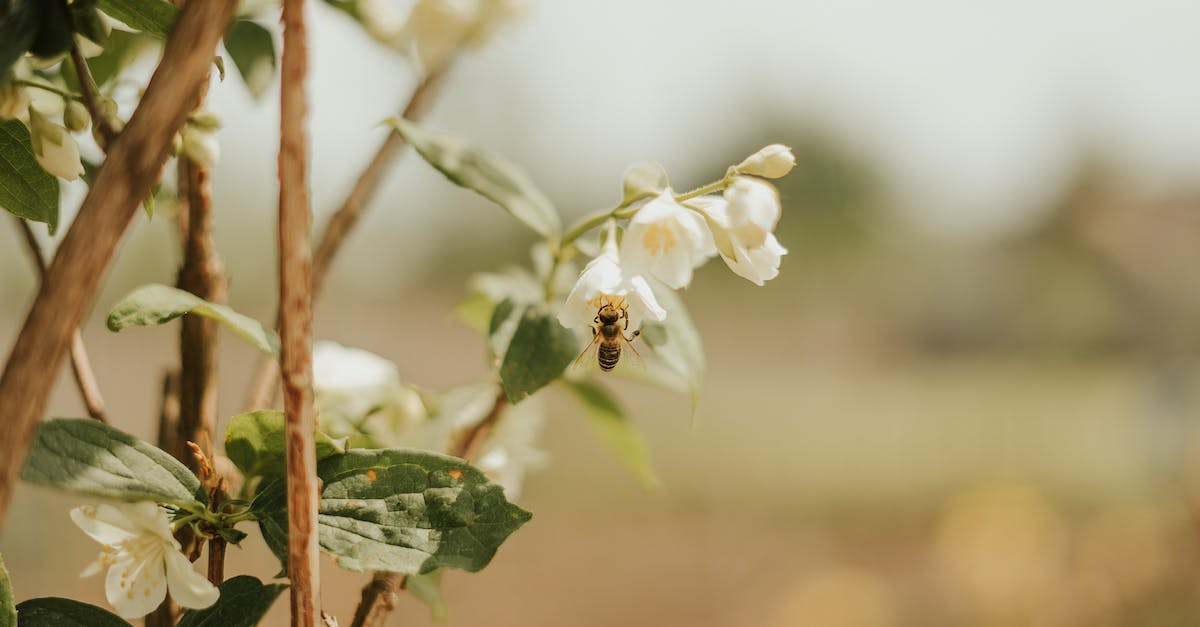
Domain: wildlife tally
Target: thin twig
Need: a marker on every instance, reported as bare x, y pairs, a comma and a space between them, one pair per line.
379, 596
81, 366
263, 383
91, 98
135, 159
295, 329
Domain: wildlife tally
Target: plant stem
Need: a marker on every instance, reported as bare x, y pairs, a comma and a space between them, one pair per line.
134, 162
295, 316
91, 97
471, 440
715, 186
81, 366
266, 375
47, 87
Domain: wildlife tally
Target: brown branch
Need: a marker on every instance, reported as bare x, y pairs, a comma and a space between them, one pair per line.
81, 366
380, 595
295, 328
91, 99
202, 275
378, 599
134, 162
264, 381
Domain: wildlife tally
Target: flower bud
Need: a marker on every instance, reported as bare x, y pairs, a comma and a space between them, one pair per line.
200, 146
55, 149
109, 107
13, 100
205, 120
771, 162
76, 117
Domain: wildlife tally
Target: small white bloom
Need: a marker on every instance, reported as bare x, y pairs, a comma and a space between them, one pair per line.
603, 282
511, 451
770, 162
753, 210
13, 100
55, 149
351, 382
492, 16
142, 557
201, 146
666, 240
382, 19
739, 217
436, 29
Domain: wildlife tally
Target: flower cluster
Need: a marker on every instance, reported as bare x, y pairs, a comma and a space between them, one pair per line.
670, 235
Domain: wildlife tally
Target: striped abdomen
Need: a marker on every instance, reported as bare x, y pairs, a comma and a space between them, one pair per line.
609, 354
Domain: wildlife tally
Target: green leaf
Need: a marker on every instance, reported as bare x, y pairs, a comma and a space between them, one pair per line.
19, 21
491, 176
399, 510
8, 612
157, 304
26, 190
677, 343
53, 34
243, 602
90, 457
123, 47
614, 429
475, 311
153, 17
254, 442
59, 612
642, 180
253, 50
540, 350
428, 588
503, 325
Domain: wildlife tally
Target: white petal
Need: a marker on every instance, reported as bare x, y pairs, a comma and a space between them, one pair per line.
135, 587
601, 276
758, 265
188, 587
753, 210
642, 304
104, 523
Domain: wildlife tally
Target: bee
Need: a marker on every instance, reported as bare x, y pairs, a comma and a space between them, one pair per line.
608, 333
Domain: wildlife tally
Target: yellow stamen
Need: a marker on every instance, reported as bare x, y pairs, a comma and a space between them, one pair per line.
658, 239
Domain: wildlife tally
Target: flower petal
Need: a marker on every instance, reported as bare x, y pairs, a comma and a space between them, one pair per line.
104, 523
135, 587
760, 264
188, 587
642, 304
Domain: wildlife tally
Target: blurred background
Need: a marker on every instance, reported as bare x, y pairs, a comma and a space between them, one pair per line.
968, 399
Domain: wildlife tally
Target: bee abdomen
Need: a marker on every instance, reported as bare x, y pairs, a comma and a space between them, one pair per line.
609, 355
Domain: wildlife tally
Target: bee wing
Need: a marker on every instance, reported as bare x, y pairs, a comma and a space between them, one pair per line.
629, 344
591, 348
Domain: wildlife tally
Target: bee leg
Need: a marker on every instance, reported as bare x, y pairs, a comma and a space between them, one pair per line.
633, 337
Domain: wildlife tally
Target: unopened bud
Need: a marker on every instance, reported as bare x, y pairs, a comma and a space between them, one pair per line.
55, 149
200, 146
771, 162
76, 117
109, 107
205, 120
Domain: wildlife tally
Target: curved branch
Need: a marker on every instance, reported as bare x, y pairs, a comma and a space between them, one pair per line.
135, 160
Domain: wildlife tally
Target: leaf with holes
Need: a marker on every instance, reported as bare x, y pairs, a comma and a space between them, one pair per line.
90, 457
493, 177
398, 510
156, 304
26, 190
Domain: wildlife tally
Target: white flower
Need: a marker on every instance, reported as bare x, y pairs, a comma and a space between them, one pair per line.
770, 162
142, 557
511, 451
753, 210
666, 240
382, 19
350, 381
55, 149
436, 29
201, 145
740, 218
603, 282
